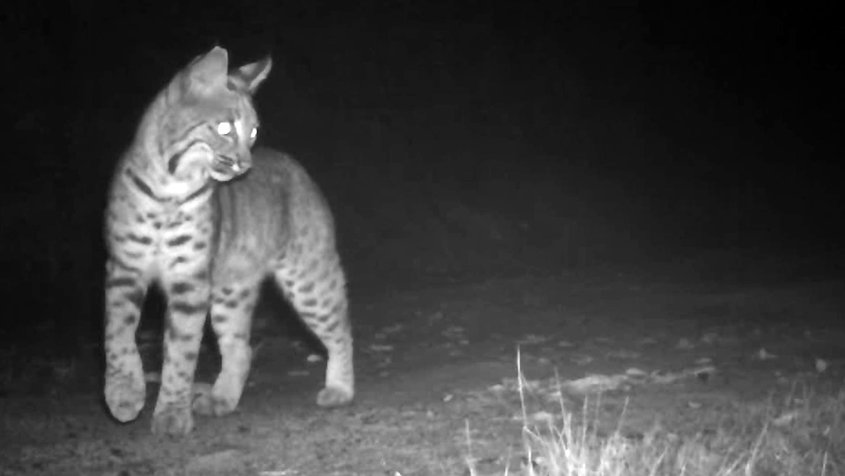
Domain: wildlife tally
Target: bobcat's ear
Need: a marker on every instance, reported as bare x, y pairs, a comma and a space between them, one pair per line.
250, 76
207, 72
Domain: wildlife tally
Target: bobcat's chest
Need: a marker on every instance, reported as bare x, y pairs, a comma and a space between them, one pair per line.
163, 223
169, 239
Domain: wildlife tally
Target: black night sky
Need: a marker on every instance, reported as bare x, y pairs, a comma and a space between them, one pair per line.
454, 140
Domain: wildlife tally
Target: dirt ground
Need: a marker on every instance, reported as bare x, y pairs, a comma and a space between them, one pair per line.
431, 362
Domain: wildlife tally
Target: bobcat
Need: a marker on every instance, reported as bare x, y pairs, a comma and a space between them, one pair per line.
184, 212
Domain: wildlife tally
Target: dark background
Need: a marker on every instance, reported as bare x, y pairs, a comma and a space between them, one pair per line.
455, 140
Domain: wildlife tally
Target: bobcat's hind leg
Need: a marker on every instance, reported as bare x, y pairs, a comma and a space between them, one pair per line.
318, 294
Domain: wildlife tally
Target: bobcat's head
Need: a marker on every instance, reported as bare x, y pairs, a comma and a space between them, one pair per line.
208, 124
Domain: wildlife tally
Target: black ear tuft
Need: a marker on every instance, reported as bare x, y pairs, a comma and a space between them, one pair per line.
250, 76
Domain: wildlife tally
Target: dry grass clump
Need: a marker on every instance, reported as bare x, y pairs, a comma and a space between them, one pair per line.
791, 435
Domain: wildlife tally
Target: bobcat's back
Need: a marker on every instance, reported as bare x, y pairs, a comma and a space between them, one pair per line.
268, 215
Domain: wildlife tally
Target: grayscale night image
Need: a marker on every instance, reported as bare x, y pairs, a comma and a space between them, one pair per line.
403, 238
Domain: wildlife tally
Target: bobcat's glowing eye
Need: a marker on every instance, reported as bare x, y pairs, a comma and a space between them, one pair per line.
224, 128
254, 133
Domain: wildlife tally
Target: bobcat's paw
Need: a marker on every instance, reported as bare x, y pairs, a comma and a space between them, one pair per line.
173, 420
125, 396
334, 397
207, 401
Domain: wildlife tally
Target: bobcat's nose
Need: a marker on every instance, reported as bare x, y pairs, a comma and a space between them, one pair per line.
242, 163
236, 165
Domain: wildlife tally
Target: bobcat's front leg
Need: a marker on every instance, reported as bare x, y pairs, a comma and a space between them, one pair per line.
187, 307
125, 390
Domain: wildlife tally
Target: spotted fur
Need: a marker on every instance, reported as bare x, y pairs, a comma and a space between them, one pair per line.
184, 212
